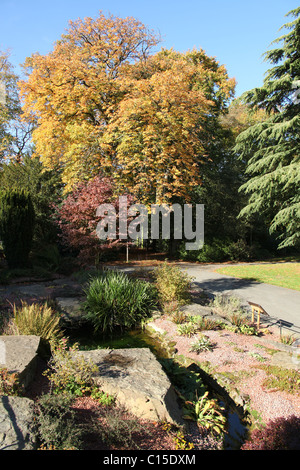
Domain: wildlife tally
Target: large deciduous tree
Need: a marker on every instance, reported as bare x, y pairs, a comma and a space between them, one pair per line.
72, 91
272, 147
159, 133
102, 102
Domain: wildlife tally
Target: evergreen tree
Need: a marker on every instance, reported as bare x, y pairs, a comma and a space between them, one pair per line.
272, 147
44, 187
16, 226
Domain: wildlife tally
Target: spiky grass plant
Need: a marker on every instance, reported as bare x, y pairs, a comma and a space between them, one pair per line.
114, 300
37, 319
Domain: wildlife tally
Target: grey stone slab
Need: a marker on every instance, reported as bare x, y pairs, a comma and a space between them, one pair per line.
19, 355
17, 430
138, 381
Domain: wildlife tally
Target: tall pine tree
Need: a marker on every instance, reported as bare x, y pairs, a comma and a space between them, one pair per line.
272, 147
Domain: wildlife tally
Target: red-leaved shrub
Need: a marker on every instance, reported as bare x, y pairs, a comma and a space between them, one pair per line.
78, 221
278, 434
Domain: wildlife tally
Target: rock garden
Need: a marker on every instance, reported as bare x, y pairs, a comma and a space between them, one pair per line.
145, 360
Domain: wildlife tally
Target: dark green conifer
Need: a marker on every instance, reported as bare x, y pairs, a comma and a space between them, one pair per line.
272, 147
16, 226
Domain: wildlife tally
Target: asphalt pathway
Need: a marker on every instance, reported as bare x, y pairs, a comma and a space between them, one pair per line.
278, 302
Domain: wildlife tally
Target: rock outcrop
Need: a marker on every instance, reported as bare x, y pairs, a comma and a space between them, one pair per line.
138, 381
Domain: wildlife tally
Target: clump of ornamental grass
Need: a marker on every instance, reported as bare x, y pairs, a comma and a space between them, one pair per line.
36, 319
114, 300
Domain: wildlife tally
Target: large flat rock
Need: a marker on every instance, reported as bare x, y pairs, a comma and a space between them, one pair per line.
138, 381
19, 355
16, 423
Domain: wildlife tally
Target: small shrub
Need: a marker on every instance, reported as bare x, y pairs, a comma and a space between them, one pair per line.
227, 305
70, 373
172, 284
204, 323
237, 319
169, 308
249, 329
56, 423
279, 434
239, 251
114, 300
39, 320
9, 384
213, 251
203, 343
103, 398
181, 442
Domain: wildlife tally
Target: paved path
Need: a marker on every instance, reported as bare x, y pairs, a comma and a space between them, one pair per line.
278, 302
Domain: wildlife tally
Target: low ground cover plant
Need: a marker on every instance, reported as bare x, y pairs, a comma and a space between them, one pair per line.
279, 378
186, 329
114, 300
202, 343
9, 383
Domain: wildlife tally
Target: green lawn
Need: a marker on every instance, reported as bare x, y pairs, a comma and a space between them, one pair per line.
277, 274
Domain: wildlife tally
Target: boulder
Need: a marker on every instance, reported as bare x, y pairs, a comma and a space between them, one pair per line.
196, 309
19, 354
138, 381
72, 311
16, 423
286, 360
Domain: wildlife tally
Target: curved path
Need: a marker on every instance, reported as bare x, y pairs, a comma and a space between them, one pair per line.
278, 302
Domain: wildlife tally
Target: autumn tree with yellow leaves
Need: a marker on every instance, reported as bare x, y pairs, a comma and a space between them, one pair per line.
103, 100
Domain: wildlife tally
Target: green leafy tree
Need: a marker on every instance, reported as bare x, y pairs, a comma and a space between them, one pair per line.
15, 134
272, 147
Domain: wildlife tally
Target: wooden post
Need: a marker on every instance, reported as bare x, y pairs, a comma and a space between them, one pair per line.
259, 310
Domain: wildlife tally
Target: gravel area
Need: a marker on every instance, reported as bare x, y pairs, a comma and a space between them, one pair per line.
235, 354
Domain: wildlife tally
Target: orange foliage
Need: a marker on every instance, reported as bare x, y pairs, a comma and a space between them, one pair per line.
100, 101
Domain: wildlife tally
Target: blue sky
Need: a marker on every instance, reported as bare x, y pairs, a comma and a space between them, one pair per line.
236, 32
